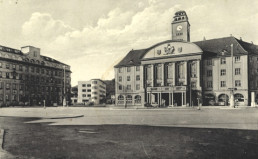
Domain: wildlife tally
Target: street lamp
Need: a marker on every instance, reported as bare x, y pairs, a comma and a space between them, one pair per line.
232, 103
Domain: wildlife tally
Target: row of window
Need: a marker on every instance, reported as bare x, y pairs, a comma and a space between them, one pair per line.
129, 78
33, 69
84, 85
128, 87
223, 84
129, 98
128, 69
223, 72
223, 60
15, 86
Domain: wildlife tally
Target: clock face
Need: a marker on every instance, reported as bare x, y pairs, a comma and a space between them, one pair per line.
179, 27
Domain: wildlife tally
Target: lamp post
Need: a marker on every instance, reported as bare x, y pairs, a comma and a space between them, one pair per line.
232, 103
64, 100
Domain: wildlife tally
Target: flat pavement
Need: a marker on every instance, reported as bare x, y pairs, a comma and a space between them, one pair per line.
246, 118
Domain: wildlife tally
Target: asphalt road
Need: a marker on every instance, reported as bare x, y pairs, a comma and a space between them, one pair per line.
104, 133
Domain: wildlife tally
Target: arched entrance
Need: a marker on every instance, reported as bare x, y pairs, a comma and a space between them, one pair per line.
223, 100
209, 99
129, 100
137, 99
120, 100
239, 99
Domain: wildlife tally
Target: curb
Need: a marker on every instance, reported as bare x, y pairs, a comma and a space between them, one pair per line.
1, 139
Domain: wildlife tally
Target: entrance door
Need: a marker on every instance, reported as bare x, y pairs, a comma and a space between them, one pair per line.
165, 99
177, 99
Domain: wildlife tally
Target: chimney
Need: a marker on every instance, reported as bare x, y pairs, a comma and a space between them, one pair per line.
252, 42
204, 38
231, 35
241, 38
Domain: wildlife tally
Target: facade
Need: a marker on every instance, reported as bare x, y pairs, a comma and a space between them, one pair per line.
74, 95
178, 72
28, 78
91, 91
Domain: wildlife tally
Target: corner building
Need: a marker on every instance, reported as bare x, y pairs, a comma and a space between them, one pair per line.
178, 72
93, 90
28, 78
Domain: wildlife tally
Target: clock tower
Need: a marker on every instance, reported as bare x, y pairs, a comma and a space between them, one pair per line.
181, 27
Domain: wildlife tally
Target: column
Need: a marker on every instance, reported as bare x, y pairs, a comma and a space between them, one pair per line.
182, 98
185, 72
198, 73
169, 97
162, 74
185, 98
152, 74
174, 73
172, 99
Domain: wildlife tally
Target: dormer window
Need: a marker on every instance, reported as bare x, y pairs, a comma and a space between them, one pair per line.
35, 54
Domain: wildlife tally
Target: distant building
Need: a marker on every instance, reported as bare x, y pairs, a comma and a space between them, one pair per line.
178, 72
29, 78
92, 91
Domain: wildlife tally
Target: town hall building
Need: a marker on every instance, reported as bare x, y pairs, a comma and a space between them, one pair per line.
178, 72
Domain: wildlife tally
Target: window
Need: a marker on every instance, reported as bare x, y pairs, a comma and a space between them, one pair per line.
0, 74
209, 73
193, 69
120, 70
180, 70
0, 64
128, 78
137, 68
84, 95
128, 69
7, 66
137, 99
120, 78
222, 83
120, 87
88, 85
14, 67
94, 82
1, 85
222, 72
95, 87
128, 87
20, 67
237, 59
95, 93
137, 77
14, 86
84, 90
209, 62
137, 87
83, 85
237, 71
193, 84
89, 95
88, 90
7, 86
223, 61
35, 54
209, 84
237, 83
32, 69
7, 75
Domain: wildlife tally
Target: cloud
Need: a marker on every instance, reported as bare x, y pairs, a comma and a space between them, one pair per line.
42, 26
94, 50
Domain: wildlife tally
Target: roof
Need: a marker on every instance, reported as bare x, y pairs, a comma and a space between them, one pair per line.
133, 58
212, 47
221, 45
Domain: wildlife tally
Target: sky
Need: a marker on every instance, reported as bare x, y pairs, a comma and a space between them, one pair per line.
93, 36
